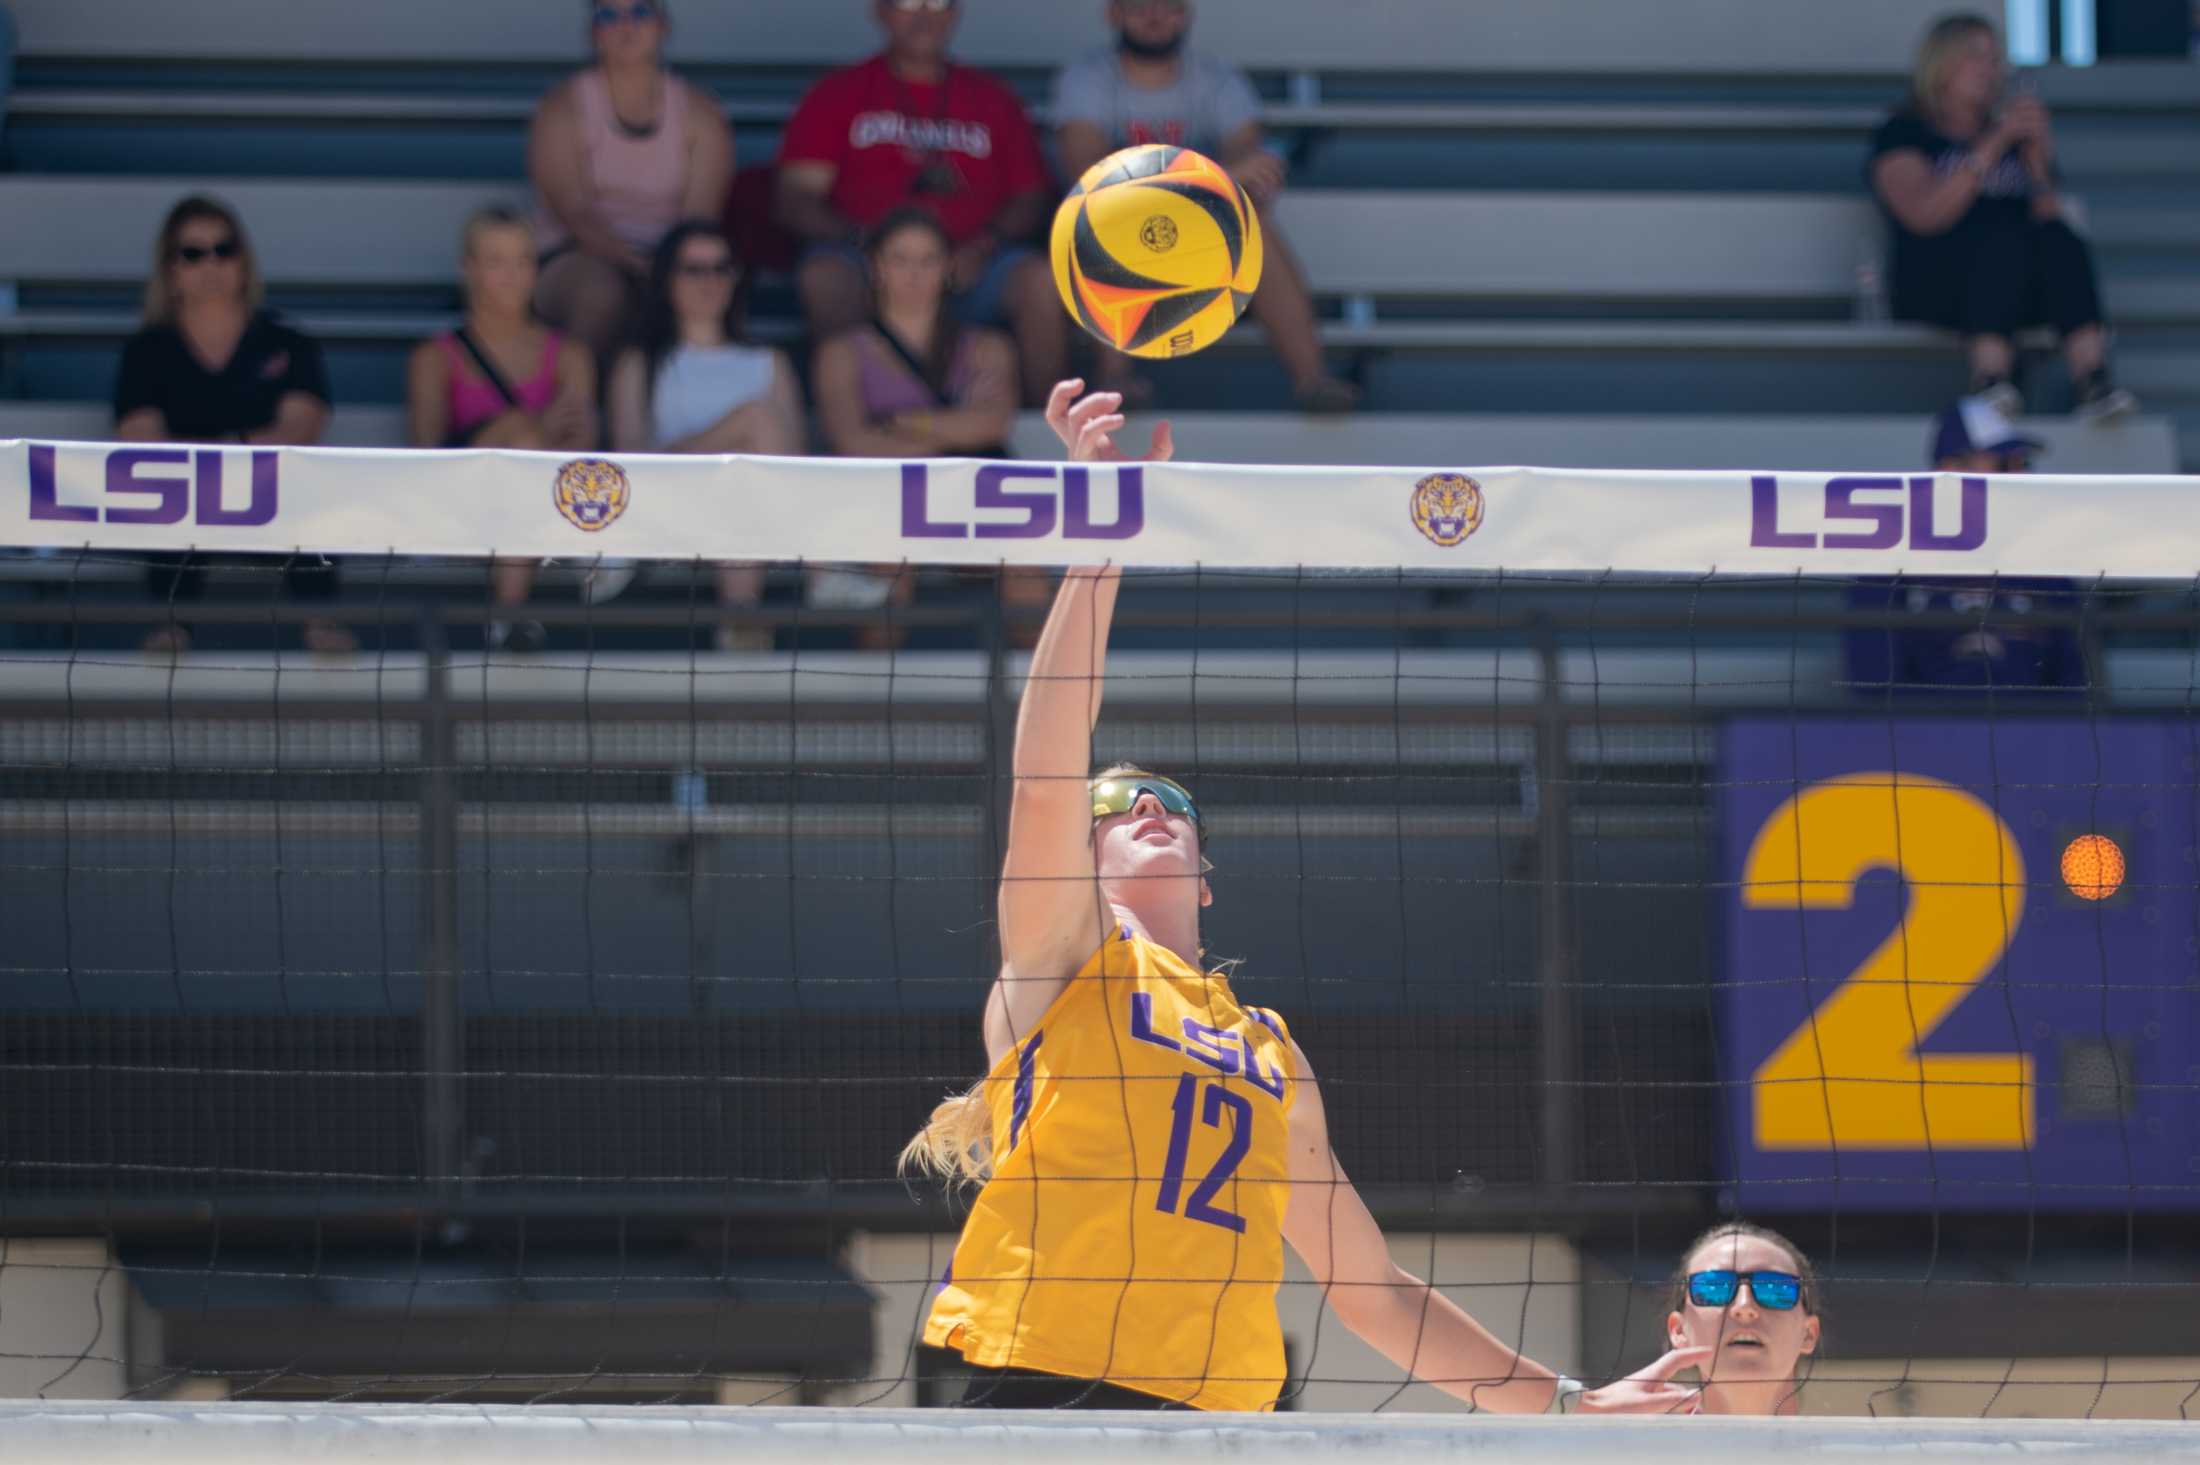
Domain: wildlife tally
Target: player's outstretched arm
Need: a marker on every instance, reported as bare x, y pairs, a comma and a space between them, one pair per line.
1393, 1311
1052, 914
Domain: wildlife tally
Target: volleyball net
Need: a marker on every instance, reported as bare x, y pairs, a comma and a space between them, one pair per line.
528, 1003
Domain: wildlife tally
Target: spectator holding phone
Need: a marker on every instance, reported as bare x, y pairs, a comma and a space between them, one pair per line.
1965, 173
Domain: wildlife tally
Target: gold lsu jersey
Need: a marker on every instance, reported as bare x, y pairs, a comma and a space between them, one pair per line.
1132, 1229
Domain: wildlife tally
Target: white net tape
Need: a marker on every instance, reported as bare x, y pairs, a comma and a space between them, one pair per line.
244, 1434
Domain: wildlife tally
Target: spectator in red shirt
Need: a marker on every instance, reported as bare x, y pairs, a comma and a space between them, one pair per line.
911, 127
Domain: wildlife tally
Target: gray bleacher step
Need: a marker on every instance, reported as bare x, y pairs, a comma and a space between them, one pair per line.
409, 106
2168, 374
1800, 443
1859, 37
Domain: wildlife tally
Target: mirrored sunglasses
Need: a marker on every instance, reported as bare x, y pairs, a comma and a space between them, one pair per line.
1774, 1291
1112, 796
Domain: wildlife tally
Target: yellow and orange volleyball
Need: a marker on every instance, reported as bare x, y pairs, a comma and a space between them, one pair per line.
2093, 867
1156, 251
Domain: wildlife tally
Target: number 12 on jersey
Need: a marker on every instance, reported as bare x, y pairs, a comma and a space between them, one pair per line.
1200, 1206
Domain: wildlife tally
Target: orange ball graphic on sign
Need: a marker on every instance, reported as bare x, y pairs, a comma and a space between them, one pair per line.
2093, 867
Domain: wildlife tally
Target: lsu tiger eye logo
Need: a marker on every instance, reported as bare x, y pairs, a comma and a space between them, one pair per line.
592, 493
1158, 234
1446, 508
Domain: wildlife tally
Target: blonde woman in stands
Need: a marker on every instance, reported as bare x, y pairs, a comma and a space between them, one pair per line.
1747, 1297
691, 384
502, 380
213, 365
1965, 173
1145, 1142
618, 154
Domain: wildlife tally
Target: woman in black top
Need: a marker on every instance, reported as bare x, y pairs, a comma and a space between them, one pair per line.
212, 366
1965, 173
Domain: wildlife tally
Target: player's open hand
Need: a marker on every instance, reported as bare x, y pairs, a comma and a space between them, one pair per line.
1087, 425
1648, 1390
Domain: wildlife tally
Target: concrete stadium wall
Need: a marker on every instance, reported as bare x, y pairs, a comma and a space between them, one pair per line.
1701, 36
64, 1321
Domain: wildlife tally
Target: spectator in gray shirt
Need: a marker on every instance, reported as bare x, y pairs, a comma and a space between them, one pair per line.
1151, 89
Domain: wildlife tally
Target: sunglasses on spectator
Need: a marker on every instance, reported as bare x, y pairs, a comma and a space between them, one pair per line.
1774, 1291
642, 12
706, 269
1111, 796
192, 254
911, 7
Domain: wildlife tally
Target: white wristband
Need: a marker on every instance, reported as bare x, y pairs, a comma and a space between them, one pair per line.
1564, 1393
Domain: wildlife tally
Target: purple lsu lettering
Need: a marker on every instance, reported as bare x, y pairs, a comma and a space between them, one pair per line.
137, 492
1845, 502
1041, 508
1227, 1052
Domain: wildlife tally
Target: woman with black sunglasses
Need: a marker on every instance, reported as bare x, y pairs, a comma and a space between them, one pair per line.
1145, 1142
692, 383
214, 365
1744, 1315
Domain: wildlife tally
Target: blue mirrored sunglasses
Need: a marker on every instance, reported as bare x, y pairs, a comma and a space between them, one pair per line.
1774, 1291
642, 12
1111, 796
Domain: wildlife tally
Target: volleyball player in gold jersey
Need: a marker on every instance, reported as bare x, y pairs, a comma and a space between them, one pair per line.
1146, 1142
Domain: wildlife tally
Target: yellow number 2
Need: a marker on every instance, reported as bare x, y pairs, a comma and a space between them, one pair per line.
1850, 1076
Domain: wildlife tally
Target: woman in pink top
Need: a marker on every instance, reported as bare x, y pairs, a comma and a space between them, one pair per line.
502, 380
618, 154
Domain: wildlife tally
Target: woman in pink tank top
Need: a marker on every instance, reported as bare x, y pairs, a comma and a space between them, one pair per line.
914, 382
502, 379
618, 154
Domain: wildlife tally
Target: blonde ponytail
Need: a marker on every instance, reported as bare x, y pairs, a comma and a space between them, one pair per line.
956, 1143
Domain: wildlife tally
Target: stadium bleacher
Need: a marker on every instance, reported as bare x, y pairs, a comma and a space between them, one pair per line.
1865, 36
1499, 214
1603, 234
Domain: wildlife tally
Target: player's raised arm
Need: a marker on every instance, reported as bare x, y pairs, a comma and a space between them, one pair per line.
1051, 910
1394, 1312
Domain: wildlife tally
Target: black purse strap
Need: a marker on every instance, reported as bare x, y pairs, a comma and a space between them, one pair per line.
917, 369
488, 367
939, 398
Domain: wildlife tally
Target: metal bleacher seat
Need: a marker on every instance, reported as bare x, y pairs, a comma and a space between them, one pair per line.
1715, 36
1669, 248
349, 426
